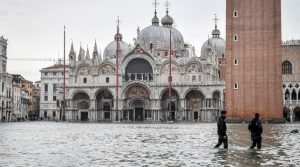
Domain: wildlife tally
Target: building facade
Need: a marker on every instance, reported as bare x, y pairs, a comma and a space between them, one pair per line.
253, 59
196, 93
51, 81
36, 96
143, 73
6, 113
291, 79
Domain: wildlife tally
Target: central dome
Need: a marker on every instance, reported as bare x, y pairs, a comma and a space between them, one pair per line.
158, 37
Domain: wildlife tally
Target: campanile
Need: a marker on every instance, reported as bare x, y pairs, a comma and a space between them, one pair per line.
253, 59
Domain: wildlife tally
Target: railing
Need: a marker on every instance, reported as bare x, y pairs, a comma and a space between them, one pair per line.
148, 77
293, 102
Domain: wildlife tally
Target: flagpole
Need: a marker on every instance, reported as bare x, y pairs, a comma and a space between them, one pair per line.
170, 74
64, 86
117, 70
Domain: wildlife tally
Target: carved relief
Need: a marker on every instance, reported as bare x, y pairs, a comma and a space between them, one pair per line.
193, 68
137, 91
174, 69
107, 69
84, 71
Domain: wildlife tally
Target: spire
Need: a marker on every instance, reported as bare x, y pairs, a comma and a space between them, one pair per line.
95, 52
216, 33
72, 54
87, 53
81, 54
155, 20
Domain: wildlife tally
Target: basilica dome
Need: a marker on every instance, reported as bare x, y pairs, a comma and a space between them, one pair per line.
216, 43
110, 49
158, 37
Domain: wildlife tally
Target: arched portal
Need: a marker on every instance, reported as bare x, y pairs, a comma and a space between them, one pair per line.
104, 104
286, 114
81, 101
169, 113
194, 103
136, 103
138, 106
297, 114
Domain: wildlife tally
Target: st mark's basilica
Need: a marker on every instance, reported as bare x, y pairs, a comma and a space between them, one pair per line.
197, 87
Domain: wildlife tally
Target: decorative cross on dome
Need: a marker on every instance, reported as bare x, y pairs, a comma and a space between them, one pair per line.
155, 3
216, 20
167, 5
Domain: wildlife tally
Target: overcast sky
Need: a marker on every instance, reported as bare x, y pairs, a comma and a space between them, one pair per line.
34, 28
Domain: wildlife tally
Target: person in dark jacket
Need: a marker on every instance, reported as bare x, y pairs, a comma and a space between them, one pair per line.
256, 130
222, 128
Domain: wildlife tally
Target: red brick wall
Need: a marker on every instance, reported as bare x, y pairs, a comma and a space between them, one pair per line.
259, 54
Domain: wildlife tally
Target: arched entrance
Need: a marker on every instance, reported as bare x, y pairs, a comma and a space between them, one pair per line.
136, 103
169, 113
81, 102
297, 114
139, 109
104, 104
286, 114
194, 103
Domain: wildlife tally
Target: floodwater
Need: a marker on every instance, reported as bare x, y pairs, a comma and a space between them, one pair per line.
88, 144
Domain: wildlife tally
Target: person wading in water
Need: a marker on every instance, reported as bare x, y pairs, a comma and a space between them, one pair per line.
222, 128
256, 130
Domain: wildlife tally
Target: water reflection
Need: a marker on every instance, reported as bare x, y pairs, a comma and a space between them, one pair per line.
75, 144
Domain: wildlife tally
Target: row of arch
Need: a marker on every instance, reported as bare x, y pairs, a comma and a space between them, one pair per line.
292, 94
108, 68
104, 98
295, 114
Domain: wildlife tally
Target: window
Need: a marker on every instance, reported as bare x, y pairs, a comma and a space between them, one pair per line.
84, 80
235, 61
54, 73
194, 78
166, 53
107, 79
54, 114
46, 73
235, 13
45, 114
46, 88
54, 98
287, 67
220, 62
235, 38
54, 87
236, 86
2, 86
45, 98
62, 74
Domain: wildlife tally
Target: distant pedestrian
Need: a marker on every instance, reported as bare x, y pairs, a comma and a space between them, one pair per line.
222, 128
256, 130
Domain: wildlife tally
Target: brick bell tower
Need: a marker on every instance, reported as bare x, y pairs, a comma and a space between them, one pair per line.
253, 59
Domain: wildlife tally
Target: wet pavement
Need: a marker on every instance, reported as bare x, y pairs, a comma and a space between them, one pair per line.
88, 144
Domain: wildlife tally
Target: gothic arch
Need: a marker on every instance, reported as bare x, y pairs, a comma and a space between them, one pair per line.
193, 66
106, 69
84, 69
81, 100
175, 67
